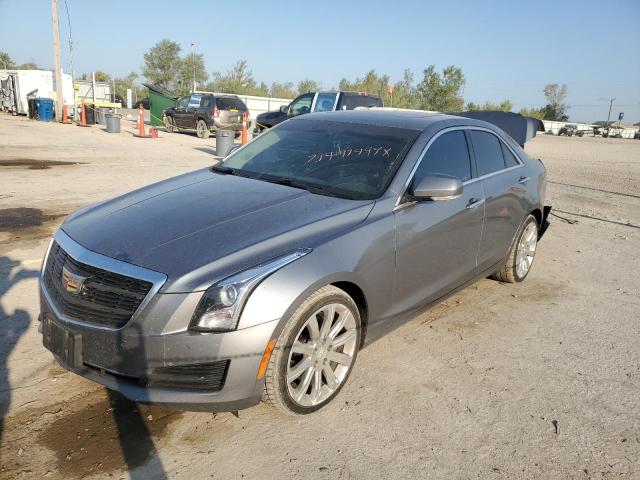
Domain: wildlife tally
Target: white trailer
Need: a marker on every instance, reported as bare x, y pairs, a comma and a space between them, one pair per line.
18, 85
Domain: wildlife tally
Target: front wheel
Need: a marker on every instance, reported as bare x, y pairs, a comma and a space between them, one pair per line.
202, 130
315, 353
521, 255
169, 124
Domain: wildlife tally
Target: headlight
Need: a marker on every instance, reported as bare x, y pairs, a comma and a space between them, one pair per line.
220, 307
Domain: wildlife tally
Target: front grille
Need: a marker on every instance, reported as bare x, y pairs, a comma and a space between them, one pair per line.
106, 299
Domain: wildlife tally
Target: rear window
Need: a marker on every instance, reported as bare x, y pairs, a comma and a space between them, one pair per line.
343, 159
489, 157
230, 103
350, 101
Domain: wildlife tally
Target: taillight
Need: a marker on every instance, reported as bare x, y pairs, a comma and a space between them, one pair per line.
215, 112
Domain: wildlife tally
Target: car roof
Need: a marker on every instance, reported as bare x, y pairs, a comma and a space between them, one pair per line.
414, 120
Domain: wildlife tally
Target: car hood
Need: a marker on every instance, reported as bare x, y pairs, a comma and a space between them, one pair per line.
203, 226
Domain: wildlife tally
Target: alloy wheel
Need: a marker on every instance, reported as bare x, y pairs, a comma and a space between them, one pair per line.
526, 249
321, 355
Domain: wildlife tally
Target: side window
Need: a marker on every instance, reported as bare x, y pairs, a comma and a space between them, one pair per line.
302, 104
509, 159
205, 102
489, 157
325, 101
194, 101
448, 155
183, 102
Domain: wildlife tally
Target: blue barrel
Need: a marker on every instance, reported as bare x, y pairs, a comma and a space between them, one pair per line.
45, 109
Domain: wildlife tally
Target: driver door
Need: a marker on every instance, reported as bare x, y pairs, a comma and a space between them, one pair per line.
301, 105
180, 111
437, 241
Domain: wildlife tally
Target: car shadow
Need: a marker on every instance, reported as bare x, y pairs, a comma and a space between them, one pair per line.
12, 327
136, 442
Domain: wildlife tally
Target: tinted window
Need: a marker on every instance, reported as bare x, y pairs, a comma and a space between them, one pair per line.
325, 102
230, 103
489, 157
352, 100
206, 102
194, 101
509, 159
348, 160
449, 154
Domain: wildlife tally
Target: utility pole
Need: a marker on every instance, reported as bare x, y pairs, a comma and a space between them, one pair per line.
610, 100
56, 57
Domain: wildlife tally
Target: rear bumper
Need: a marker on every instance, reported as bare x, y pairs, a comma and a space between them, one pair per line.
133, 364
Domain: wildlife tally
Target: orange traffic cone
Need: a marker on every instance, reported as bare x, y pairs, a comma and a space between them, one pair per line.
244, 128
83, 116
141, 131
65, 116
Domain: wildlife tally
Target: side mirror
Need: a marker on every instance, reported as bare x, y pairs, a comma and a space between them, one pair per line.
437, 187
284, 108
232, 149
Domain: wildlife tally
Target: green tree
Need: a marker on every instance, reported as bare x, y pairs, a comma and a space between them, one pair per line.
404, 93
282, 90
371, 82
556, 108
533, 112
238, 80
192, 63
124, 83
308, 85
6, 62
102, 76
504, 106
441, 92
29, 66
162, 63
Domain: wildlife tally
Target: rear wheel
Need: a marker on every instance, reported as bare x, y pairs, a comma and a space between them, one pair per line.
315, 353
521, 255
202, 130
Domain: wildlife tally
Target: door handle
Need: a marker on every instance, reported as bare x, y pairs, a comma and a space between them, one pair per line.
523, 180
475, 203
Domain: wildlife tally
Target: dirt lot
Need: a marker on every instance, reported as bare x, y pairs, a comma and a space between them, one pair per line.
538, 380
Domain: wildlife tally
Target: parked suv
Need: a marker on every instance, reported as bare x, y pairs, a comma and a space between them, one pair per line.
205, 113
317, 102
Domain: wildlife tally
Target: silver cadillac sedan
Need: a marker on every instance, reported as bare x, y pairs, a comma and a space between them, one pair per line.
262, 277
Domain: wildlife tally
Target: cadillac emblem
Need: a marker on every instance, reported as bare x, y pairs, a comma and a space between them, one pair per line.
71, 282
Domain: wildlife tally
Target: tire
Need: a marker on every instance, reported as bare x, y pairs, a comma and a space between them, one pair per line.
202, 130
169, 124
513, 270
279, 391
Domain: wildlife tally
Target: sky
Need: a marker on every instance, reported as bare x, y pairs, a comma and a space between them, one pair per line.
506, 49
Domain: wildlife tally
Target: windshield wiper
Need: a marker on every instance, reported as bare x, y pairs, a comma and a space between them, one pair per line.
311, 188
222, 169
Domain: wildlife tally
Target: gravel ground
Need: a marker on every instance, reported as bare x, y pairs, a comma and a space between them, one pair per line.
537, 380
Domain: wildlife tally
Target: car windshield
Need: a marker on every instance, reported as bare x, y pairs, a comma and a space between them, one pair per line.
331, 158
230, 103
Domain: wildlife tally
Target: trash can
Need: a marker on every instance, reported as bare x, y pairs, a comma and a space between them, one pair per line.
32, 105
89, 110
45, 109
224, 142
102, 115
112, 121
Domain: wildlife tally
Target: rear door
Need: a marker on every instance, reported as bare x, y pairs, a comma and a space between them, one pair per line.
437, 241
504, 185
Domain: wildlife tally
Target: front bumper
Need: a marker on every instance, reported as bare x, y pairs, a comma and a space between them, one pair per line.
131, 362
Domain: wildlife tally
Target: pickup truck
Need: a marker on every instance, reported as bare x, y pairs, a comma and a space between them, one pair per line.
316, 102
